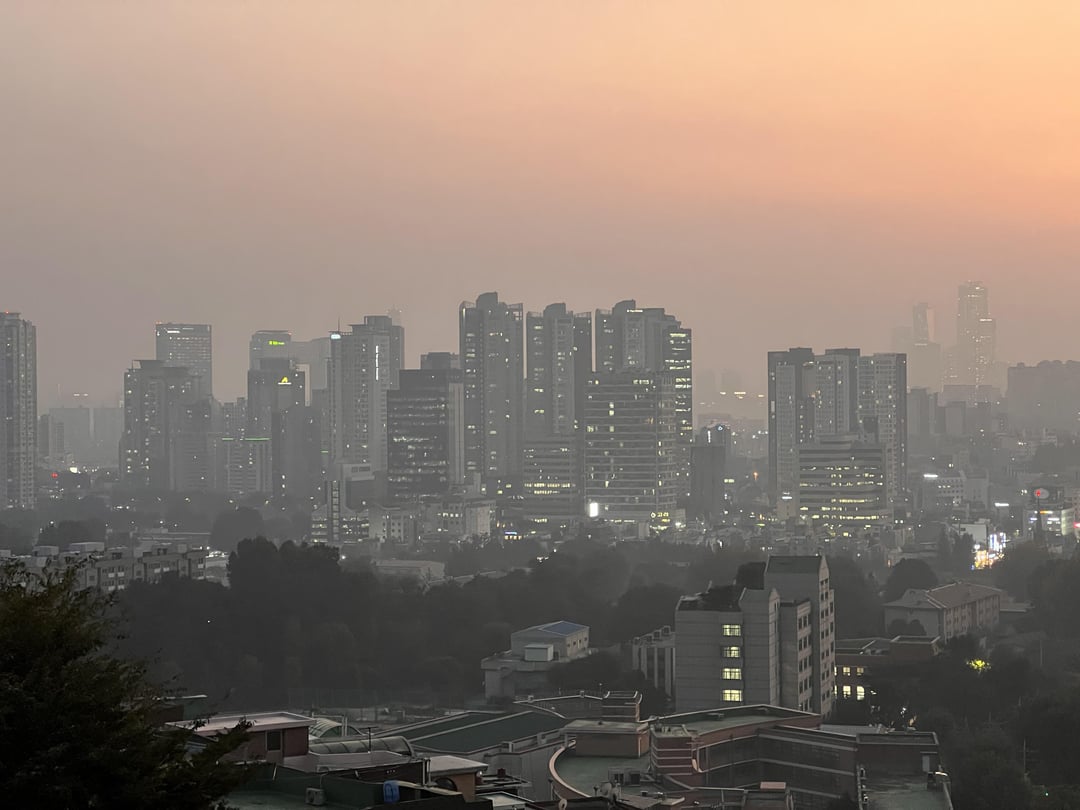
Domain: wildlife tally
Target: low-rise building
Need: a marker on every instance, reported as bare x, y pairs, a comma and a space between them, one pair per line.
948, 611
114, 569
534, 651
857, 658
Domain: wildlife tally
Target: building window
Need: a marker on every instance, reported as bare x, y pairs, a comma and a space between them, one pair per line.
732, 630
731, 674
732, 652
273, 741
860, 670
847, 691
732, 695
860, 693
847, 670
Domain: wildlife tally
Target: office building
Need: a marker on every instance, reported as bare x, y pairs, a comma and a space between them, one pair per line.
245, 466
792, 384
18, 411
976, 336
836, 395
842, 486
276, 411
188, 345
313, 358
708, 469
440, 361
559, 350
364, 366
883, 407
630, 453
631, 338
492, 364
163, 406
269, 343
425, 434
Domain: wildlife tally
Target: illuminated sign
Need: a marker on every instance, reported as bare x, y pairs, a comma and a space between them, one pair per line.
1041, 493
275, 343
284, 381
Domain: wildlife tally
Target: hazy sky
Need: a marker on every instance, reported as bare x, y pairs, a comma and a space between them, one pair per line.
774, 173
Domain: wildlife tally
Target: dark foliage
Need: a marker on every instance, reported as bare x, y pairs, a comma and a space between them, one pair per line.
78, 725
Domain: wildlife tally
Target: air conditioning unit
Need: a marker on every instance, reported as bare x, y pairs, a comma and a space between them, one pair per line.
314, 797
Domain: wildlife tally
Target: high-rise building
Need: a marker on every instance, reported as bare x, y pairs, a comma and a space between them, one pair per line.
836, 398
792, 384
1045, 397
976, 336
559, 350
630, 338
492, 364
364, 366
842, 486
163, 409
313, 358
440, 361
708, 467
268, 343
883, 405
188, 345
630, 448
425, 430
276, 411
18, 411
798, 578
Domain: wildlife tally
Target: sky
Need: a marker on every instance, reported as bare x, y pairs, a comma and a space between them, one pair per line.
774, 173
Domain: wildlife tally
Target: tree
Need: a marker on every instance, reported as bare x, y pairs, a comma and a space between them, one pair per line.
234, 525
858, 608
1011, 572
905, 575
78, 725
963, 554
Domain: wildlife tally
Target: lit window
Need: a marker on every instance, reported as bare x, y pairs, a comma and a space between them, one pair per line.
847, 670
732, 695
731, 674
732, 630
847, 691
732, 652
860, 693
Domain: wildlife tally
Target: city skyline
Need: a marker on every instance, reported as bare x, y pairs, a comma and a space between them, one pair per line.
718, 164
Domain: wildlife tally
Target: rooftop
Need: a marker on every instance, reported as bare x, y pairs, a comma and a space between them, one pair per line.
468, 732
719, 719
718, 598
585, 773
952, 595
905, 793
794, 564
557, 628
260, 721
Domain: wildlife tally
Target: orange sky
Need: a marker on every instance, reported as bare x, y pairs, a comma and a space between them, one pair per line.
774, 173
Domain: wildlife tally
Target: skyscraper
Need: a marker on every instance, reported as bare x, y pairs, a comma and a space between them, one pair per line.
630, 448
364, 366
976, 335
631, 338
883, 404
161, 412
276, 411
425, 434
188, 345
18, 411
559, 348
267, 343
792, 383
492, 363
836, 398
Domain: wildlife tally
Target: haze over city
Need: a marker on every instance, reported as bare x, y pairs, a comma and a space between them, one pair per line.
776, 175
